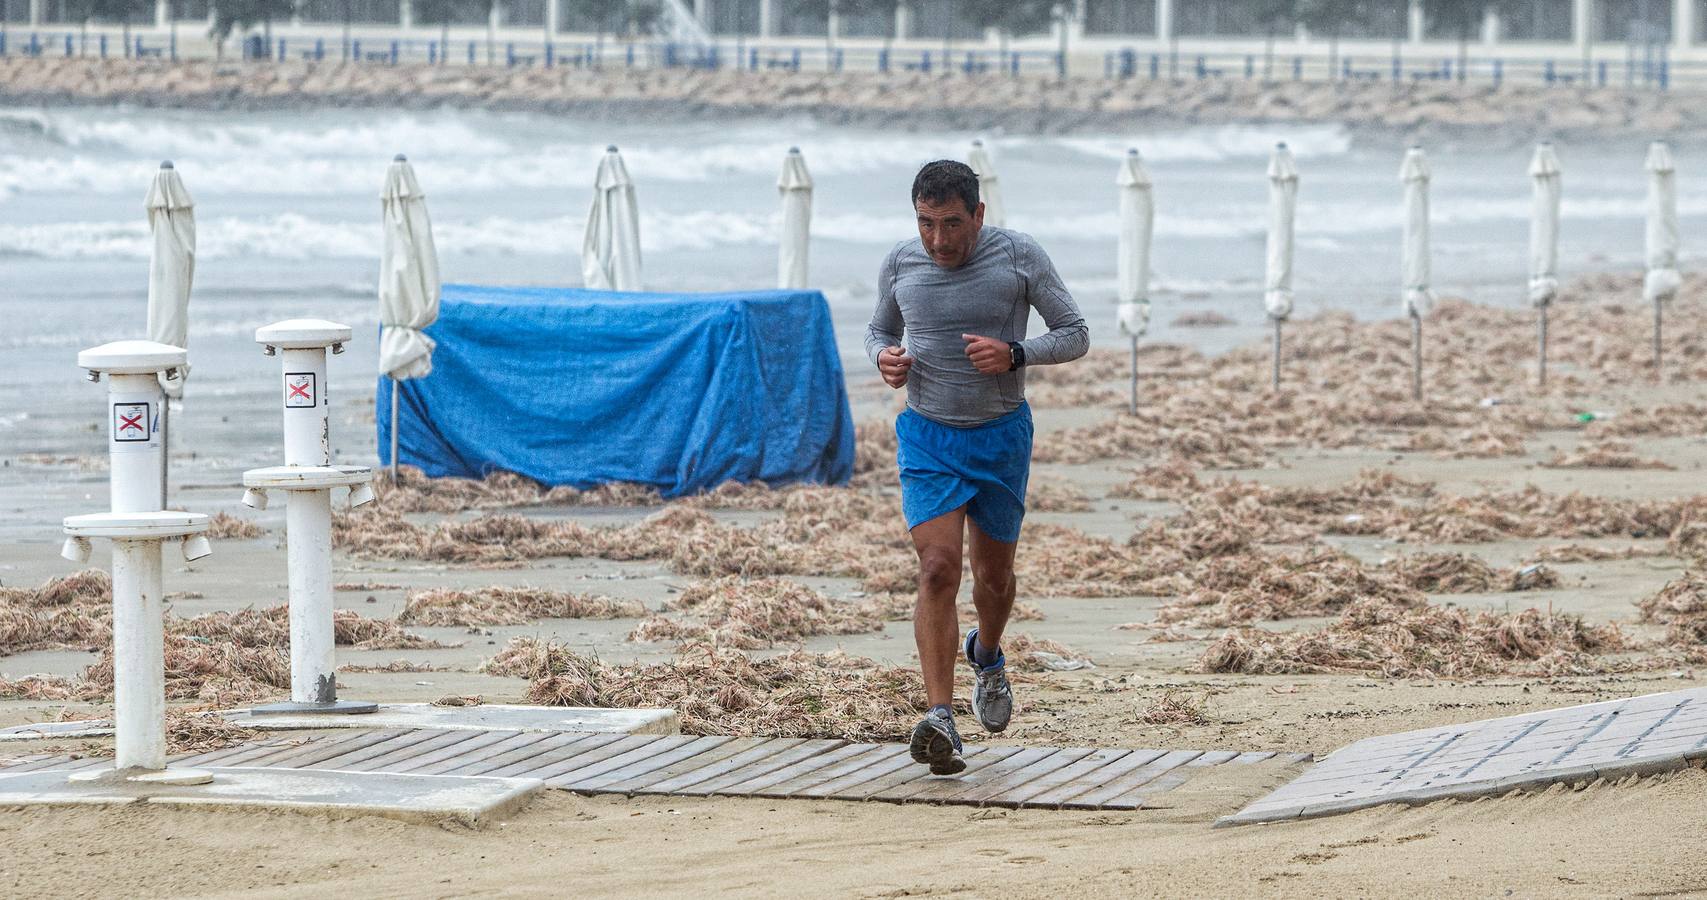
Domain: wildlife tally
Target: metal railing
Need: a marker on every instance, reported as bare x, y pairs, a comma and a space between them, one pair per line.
1643, 67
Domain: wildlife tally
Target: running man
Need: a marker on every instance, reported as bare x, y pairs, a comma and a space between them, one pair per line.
962, 294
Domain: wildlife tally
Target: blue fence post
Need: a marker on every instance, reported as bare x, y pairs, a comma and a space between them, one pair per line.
925, 62
548, 58
138, 53
1108, 65
753, 60
510, 55
355, 51
631, 56
103, 46
471, 53
1345, 68
432, 53
795, 62
35, 45
1155, 66
173, 44
2, 43
281, 48
1446, 69
394, 54
841, 58
1250, 67
68, 46
1548, 73
1201, 67
1499, 72
1297, 68
1665, 74
1398, 68
883, 61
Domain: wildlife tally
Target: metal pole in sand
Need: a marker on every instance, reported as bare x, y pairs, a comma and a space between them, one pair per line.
1416, 358
1135, 375
1276, 380
1541, 335
394, 387
137, 525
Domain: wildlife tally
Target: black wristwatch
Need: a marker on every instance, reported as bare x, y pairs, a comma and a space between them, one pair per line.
1016, 355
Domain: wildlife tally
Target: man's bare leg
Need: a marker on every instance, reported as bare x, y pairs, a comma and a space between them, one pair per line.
992, 584
936, 626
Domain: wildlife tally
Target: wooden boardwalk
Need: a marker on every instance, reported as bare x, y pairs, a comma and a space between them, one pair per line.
682, 765
1610, 740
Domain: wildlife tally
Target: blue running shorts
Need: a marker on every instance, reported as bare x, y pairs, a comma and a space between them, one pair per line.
984, 468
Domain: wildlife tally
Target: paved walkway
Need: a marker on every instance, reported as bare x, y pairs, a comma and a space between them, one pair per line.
1638, 736
682, 765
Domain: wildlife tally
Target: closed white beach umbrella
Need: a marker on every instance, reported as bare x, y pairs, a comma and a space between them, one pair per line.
408, 284
171, 265
1282, 210
1544, 242
1417, 296
610, 252
989, 187
1132, 265
1663, 279
171, 270
795, 185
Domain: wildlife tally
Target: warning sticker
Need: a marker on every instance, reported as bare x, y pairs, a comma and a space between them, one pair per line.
131, 423
299, 389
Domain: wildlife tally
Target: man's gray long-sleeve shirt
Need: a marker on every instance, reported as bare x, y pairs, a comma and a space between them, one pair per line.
992, 295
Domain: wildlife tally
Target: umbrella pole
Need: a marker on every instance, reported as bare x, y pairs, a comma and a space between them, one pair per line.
1541, 335
1135, 375
1276, 378
1416, 357
1658, 316
393, 431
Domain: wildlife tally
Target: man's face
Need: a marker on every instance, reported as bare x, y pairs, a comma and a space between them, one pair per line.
948, 230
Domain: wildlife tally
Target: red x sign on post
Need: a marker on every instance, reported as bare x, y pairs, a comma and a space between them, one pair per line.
130, 422
299, 389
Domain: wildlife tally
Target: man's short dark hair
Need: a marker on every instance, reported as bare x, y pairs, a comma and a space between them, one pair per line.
944, 180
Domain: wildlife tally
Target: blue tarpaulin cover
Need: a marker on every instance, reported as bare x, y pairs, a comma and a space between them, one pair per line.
580, 388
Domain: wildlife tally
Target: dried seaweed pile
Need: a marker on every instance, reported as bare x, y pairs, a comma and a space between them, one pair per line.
725, 692
1682, 607
1424, 642
1345, 384
73, 611
226, 527
511, 606
270, 628
1256, 586
1605, 454
1456, 573
1174, 708
899, 607
415, 492
762, 612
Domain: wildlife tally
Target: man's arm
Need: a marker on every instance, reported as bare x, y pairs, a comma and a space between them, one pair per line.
886, 325
1068, 338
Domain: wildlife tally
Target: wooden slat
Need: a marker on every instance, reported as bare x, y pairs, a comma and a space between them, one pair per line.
1015, 780
659, 746
683, 766
214, 757
1043, 784
1098, 797
532, 750
1095, 778
1213, 758
450, 751
763, 750
1161, 784
912, 771
265, 748
765, 766
768, 784
607, 782
1245, 759
399, 745
989, 762
436, 742
581, 744
519, 739
324, 748
38, 763
895, 756
591, 756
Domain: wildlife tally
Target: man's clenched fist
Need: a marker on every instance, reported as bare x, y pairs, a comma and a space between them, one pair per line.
989, 355
893, 363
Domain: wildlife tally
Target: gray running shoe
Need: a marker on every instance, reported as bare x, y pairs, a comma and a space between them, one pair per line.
992, 696
937, 744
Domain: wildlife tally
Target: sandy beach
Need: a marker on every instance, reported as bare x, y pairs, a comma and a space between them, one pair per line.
1220, 516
